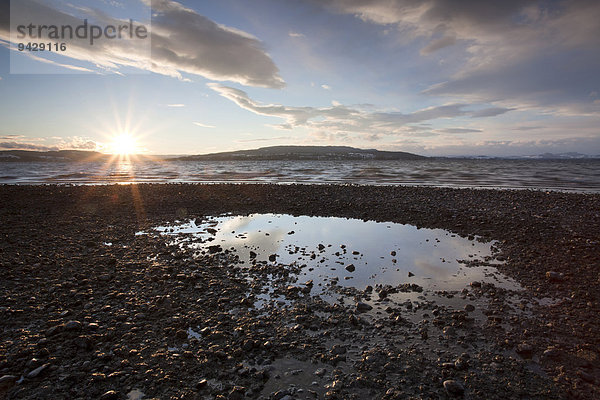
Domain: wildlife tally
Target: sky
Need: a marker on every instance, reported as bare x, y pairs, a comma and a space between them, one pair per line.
434, 77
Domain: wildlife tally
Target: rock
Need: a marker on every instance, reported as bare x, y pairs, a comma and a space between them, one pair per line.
554, 276
73, 326
273, 257
410, 274
453, 388
587, 377
461, 363
7, 381
551, 352
350, 268
320, 371
215, 249
54, 330
237, 393
135, 394
392, 253
362, 307
110, 395
38, 371
201, 384
252, 255
476, 284
469, 308
525, 350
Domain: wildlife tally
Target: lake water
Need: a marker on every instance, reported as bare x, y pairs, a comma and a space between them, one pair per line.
568, 175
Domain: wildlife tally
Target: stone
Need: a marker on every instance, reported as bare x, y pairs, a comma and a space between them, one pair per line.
38, 371
7, 381
237, 393
453, 388
554, 276
73, 326
110, 395
525, 350
410, 274
273, 257
469, 308
350, 268
363, 307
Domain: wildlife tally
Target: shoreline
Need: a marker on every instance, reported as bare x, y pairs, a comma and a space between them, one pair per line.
53, 234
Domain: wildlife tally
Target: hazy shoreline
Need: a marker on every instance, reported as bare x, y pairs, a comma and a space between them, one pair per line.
57, 271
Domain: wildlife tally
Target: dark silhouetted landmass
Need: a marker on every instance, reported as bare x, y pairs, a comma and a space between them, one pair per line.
52, 156
305, 153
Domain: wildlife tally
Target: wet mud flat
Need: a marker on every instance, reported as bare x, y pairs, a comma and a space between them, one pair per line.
91, 310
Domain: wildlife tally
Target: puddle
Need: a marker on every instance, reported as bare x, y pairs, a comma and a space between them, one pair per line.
347, 252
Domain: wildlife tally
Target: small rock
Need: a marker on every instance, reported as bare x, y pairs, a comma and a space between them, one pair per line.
215, 249
7, 381
201, 384
363, 307
320, 371
350, 268
252, 255
525, 350
454, 388
36, 372
273, 257
410, 274
469, 308
554, 276
110, 395
237, 393
73, 325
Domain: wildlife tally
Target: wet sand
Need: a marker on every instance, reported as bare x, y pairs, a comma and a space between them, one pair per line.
86, 320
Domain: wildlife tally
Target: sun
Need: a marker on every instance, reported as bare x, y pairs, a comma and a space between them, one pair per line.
124, 144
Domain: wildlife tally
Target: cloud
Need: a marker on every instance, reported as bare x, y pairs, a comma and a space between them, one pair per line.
296, 34
438, 44
459, 130
491, 112
182, 41
19, 142
176, 105
203, 125
339, 119
525, 54
265, 139
326, 87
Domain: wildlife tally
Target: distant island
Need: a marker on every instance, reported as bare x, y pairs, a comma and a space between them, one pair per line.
272, 153
305, 153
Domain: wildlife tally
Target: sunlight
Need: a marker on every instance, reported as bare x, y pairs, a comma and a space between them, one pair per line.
124, 144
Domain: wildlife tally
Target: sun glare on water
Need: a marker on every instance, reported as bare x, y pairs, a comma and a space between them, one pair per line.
124, 144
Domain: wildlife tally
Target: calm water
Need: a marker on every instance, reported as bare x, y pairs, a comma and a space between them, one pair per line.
573, 175
326, 246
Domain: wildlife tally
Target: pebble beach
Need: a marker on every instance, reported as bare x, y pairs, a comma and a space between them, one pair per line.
141, 318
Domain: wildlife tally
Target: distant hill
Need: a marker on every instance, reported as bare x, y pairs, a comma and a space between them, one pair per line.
305, 153
54, 156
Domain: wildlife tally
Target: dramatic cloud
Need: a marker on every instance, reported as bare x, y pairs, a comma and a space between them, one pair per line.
182, 41
534, 53
339, 119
